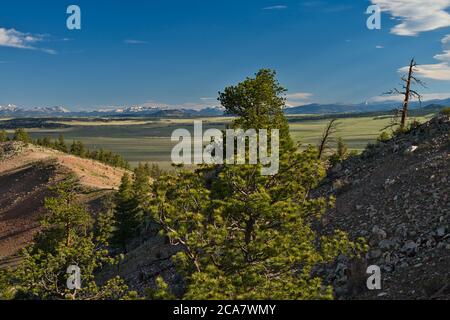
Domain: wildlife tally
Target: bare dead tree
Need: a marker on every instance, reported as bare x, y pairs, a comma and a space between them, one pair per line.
407, 91
327, 137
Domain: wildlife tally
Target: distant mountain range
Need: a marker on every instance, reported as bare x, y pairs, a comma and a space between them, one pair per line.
360, 108
156, 112
134, 111
13, 110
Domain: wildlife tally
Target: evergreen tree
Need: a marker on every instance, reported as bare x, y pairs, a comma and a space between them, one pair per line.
384, 137
142, 185
67, 239
156, 172
7, 291
341, 152
47, 142
244, 235
77, 148
258, 103
22, 136
60, 144
342, 149
3, 136
127, 214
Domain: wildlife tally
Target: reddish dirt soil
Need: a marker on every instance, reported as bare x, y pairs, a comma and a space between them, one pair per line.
26, 173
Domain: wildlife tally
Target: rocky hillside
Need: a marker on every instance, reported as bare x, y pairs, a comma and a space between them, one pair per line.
396, 195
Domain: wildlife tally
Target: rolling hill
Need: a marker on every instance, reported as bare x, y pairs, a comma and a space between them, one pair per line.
26, 174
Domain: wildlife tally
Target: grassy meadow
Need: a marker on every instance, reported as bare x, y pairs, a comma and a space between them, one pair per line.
144, 140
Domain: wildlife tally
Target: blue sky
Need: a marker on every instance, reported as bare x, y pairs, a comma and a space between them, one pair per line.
180, 53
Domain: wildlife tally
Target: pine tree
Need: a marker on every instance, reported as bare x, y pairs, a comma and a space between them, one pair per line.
3, 136
77, 148
156, 171
60, 144
22, 136
384, 137
341, 152
47, 142
127, 214
244, 235
65, 217
258, 103
142, 185
67, 238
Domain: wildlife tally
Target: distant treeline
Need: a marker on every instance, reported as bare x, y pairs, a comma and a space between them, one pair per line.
77, 148
413, 113
28, 123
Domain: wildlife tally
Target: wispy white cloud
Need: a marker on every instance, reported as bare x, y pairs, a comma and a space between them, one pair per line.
379, 47
297, 98
438, 71
133, 41
299, 95
443, 56
416, 16
277, 7
397, 98
19, 40
446, 39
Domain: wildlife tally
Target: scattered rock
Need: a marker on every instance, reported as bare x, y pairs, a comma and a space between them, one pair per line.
410, 248
411, 149
386, 245
402, 201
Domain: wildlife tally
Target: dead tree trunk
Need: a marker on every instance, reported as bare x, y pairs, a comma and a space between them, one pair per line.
407, 95
329, 131
407, 92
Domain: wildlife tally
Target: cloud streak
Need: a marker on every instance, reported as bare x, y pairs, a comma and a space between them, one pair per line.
133, 41
297, 98
443, 56
277, 7
398, 98
437, 71
15, 39
416, 16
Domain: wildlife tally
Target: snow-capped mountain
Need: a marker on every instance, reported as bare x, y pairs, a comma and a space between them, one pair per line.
138, 109
13, 110
9, 108
50, 110
132, 111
